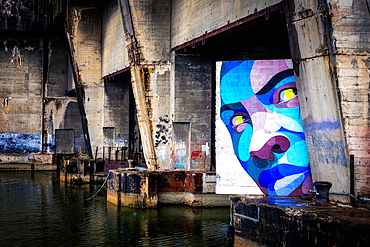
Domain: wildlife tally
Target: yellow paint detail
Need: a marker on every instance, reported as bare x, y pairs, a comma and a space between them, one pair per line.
238, 120
289, 93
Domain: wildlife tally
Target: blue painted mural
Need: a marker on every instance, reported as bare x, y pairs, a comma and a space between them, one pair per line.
24, 143
260, 108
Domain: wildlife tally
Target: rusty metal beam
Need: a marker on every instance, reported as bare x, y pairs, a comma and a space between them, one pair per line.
78, 87
137, 74
265, 12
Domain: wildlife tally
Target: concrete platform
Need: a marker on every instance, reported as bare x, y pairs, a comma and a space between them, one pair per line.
284, 221
144, 189
44, 162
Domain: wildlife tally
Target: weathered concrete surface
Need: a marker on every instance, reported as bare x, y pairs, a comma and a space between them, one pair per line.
147, 25
278, 221
192, 104
20, 95
351, 34
132, 188
139, 189
193, 200
28, 167
312, 53
117, 112
159, 96
27, 162
191, 19
114, 52
61, 107
152, 26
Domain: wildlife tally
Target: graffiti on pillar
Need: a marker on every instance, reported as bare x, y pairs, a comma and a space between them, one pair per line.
259, 106
162, 134
16, 57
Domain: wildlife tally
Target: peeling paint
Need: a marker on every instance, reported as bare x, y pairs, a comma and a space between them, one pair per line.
162, 152
180, 155
330, 152
326, 126
16, 57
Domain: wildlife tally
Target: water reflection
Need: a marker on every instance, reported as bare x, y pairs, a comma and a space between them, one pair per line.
34, 211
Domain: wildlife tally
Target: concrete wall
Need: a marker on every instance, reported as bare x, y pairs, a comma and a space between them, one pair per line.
351, 33
21, 95
61, 108
116, 111
192, 105
114, 53
191, 19
151, 20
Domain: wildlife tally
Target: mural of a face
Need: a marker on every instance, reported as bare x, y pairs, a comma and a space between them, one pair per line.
260, 108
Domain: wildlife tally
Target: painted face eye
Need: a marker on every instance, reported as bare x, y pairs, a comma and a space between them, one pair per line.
287, 94
239, 120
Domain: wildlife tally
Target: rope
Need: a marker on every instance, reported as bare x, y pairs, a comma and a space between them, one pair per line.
53, 181
99, 189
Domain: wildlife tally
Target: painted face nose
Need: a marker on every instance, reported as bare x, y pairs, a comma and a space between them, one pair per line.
274, 144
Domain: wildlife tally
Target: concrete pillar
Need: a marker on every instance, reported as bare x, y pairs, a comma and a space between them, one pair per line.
147, 28
312, 50
86, 32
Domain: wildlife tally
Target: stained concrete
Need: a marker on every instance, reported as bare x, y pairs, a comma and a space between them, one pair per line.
282, 221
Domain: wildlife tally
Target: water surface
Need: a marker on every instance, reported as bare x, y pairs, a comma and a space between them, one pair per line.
35, 211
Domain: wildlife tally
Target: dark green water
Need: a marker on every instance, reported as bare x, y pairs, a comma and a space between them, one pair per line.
35, 211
